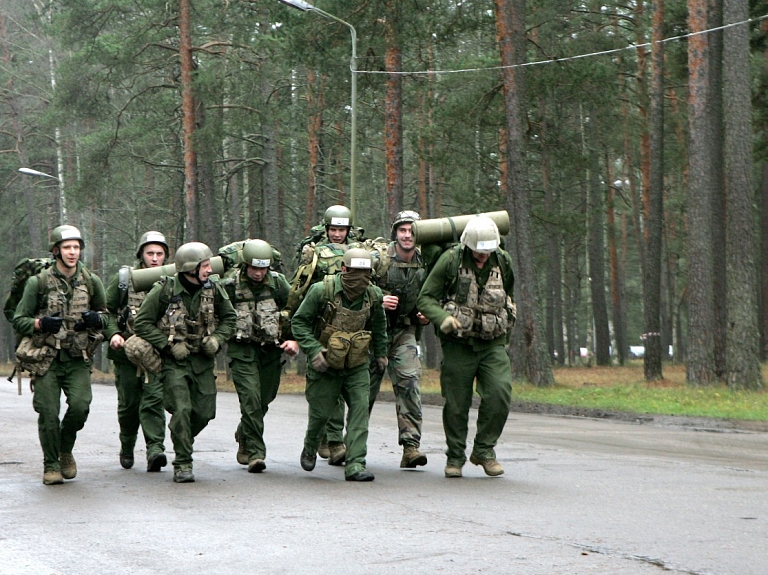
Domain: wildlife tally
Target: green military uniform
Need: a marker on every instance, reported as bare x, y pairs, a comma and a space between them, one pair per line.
47, 294
404, 280
471, 352
139, 399
254, 351
352, 384
189, 385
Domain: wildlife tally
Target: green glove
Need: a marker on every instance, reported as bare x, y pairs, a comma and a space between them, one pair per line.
180, 350
210, 345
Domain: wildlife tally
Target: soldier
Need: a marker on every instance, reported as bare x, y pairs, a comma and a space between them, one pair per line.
258, 296
187, 317
400, 284
468, 295
340, 319
139, 402
319, 260
60, 315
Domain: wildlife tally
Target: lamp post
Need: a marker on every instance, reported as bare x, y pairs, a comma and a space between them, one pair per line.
62, 202
307, 7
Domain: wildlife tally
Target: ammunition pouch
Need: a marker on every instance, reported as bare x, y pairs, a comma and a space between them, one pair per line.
34, 356
348, 350
143, 354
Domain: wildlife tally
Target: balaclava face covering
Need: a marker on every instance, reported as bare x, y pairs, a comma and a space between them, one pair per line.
354, 282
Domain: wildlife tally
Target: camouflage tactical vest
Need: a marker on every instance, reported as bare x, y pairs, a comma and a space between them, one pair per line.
69, 300
258, 317
176, 322
481, 313
404, 280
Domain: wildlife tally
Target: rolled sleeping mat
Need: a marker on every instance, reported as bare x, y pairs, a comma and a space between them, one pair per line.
441, 230
144, 279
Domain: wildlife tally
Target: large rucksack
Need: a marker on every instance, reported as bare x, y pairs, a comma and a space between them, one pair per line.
25, 269
232, 256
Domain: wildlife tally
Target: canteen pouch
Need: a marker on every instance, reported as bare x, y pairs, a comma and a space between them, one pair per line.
359, 343
338, 348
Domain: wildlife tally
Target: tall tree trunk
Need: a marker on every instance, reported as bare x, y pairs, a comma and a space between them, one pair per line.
393, 111
700, 365
188, 122
510, 26
743, 343
596, 253
617, 281
715, 39
652, 273
271, 226
315, 124
764, 258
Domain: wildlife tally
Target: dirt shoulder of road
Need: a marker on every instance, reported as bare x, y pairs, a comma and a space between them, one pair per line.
694, 423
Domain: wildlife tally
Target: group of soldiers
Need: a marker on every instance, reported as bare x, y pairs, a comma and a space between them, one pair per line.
353, 311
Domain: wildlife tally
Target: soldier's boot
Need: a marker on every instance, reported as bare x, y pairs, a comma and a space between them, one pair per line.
337, 453
452, 471
68, 466
490, 465
256, 466
126, 460
307, 460
183, 475
52, 477
323, 450
156, 462
412, 457
242, 449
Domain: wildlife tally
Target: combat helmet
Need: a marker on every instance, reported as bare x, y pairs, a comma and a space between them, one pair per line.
357, 258
64, 233
338, 216
404, 217
257, 253
481, 235
190, 255
151, 238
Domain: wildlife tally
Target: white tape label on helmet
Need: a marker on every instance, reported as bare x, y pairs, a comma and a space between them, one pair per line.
487, 245
360, 263
339, 221
69, 234
155, 237
260, 263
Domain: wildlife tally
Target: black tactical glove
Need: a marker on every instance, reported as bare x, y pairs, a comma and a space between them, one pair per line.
91, 320
50, 324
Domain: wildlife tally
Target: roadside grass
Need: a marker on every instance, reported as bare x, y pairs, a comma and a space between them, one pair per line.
617, 389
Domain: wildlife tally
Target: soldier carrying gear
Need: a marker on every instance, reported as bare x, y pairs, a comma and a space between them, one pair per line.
60, 314
259, 296
338, 216
136, 361
345, 312
468, 296
404, 217
187, 317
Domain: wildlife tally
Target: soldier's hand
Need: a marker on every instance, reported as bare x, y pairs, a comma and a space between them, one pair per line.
382, 363
50, 324
210, 345
180, 350
449, 325
117, 341
319, 363
390, 302
91, 320
422, 318
290, 347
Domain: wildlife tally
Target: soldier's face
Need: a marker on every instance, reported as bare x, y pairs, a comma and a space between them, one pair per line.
153, 255
405, 237
204, 271
69, 252
256, 274
337, 234
479, 258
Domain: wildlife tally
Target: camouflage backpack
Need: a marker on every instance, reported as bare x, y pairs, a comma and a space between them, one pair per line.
25, 269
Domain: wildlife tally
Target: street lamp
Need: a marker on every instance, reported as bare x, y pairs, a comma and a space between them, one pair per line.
307, 7
62, 202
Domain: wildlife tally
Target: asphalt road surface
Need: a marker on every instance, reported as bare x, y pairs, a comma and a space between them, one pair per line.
579, 496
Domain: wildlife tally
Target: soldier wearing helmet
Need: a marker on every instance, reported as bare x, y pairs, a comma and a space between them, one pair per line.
338, 323
259, 296
60, 317
319, 259
400, 284
187, 317
468, 295
139, 396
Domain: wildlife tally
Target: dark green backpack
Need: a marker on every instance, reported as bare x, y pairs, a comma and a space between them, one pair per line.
25, 269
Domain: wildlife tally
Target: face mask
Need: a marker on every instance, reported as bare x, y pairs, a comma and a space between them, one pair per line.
355, 282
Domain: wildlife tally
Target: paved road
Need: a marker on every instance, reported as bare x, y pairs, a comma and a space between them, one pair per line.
579, 496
